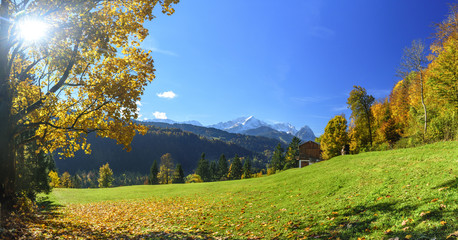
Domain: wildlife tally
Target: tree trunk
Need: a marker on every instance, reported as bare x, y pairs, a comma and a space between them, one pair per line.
7, 161
370, 131
424, 106
7, 156
7, 177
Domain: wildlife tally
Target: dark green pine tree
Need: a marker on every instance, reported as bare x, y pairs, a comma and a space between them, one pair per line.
214, 171
235, 171
247, 168
203, 168
152, 179
76, 181
222, 168
278, 160
178, 174
292, 153
32, 172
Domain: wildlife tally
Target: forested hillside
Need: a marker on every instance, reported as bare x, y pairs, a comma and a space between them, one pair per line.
185, 148
252, 143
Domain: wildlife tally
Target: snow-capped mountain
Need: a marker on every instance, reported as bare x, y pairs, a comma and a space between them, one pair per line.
255, 127
229, 124
240, 125
252, 126
284, 127
170, 121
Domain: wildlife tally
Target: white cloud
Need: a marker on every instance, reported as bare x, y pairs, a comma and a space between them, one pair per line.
168, 94
159, 115
139, 115
161, 51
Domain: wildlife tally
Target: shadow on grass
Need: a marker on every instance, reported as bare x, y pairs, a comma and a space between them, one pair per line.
452, 184
365, 216
64, 230
48, 222
47, 206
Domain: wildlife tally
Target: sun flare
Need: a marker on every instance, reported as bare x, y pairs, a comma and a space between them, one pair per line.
32, 30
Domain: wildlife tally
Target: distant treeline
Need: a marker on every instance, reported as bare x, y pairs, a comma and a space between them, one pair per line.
185, 147
253, 143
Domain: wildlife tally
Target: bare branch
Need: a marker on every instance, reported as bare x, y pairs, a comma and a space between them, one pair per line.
413, 60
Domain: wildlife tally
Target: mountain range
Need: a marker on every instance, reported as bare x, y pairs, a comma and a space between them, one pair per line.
247, 137
252, 126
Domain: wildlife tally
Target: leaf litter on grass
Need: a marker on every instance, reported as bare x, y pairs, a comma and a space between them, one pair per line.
333, 204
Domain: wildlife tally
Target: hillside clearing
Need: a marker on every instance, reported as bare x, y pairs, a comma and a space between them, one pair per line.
407, 193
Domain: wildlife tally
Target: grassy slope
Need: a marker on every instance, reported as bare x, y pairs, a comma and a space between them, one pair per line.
401, 193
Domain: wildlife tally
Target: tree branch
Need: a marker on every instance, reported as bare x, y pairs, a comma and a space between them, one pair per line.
56, 87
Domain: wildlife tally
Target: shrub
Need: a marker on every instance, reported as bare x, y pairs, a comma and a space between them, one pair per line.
193, 178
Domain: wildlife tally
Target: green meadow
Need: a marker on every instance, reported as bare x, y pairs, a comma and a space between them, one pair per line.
397, 194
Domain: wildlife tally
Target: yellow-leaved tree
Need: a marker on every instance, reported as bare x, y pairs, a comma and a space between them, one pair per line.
335, 137
85, 74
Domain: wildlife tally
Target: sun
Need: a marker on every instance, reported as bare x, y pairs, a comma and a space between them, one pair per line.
32, 30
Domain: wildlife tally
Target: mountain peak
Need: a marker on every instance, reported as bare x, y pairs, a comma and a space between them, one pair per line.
285, 127
306, 134
253, 126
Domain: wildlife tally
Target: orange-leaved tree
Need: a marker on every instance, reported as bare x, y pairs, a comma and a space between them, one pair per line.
84, 75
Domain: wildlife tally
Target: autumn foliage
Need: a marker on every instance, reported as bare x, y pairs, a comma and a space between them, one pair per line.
86, 75
335, 137
422, 107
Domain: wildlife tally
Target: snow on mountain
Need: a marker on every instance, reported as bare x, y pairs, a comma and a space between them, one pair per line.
228, 124
284, 127
244, 124
240, 125
253, 126
247, 124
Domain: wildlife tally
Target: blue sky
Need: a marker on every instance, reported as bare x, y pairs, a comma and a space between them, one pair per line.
280, 61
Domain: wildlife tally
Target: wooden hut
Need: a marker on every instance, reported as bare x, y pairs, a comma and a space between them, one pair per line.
309, 153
